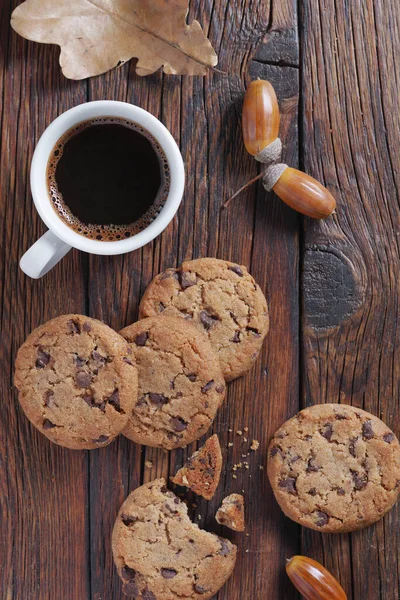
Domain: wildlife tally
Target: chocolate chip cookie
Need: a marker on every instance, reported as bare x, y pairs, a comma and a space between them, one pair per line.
202, 471
181, 385
223, 300
161, 555
231, 512
77, 381
334, 468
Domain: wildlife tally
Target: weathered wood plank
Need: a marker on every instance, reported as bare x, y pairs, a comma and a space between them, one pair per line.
43, 530
351, 263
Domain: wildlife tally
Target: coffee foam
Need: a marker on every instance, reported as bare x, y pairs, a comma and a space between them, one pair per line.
106, 233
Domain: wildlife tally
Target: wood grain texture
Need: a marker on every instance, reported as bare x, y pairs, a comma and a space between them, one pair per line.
333, 287
350, 136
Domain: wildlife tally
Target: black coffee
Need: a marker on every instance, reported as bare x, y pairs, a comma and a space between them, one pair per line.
108, 178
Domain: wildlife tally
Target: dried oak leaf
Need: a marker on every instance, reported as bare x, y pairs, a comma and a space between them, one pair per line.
97, 35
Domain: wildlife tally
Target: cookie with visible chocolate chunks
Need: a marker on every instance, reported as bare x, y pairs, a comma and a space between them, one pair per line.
161, 555
231, 512
223, 300
334, 468
202, 471
181, 385
77, 381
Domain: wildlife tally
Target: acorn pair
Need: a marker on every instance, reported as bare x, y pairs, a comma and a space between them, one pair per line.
260, 123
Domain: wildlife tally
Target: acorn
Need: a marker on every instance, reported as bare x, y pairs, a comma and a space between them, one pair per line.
312, 580
261, 117
260, 125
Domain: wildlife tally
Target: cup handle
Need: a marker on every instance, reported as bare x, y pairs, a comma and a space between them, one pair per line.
43, 255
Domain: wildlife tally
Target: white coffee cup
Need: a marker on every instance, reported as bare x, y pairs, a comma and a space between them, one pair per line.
56, 242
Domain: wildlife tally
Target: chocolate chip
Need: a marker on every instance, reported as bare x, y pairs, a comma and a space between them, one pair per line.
312, 492
73, 327
186, 279
289, 484
367, 430
294, 459
98, 357
178, 424
101, 439
179, 394
177, 501
43, 359
158, 399
236, 337
128, 520
312, 467
388, 437
147, 595
340, 417
131, 589
80, 362
83, 379
276, 450
86, 326
199, 589
220, 389
352, 447
168, 573
113, 400
141, 401
141, 339
341, 492
224, 551
327, 432
360, 481
322, 518
127, 573
90, 401
164, 489
208, 386
192, 377
48, 424
236, 269
128, 361
254, 331
48, 398
207, 320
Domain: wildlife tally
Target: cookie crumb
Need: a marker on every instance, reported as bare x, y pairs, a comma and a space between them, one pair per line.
234, 476
230, 444
239, 432
230, 430
245, 428
245, 439
148, 464
255, 444
261, 467
199, 517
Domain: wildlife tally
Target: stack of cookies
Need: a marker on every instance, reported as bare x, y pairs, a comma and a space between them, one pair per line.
159, 382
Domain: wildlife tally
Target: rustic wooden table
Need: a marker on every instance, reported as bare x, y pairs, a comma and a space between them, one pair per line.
332, 286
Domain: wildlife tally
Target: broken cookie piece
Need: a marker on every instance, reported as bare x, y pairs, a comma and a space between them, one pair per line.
202, 471
231, 512
160, 554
